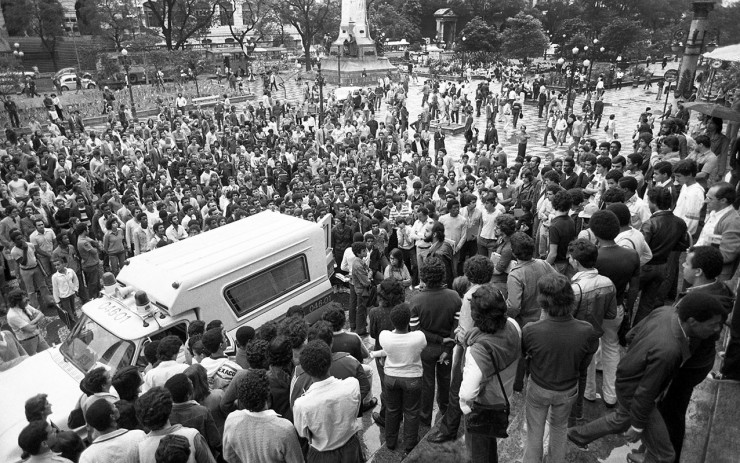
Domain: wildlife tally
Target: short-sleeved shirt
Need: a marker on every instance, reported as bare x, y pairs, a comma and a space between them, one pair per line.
562, 232
18, 320
16, 253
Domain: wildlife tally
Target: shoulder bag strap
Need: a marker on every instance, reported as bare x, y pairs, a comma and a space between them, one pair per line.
498, 375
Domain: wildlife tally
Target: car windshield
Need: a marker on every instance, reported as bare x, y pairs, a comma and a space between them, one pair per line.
90, 344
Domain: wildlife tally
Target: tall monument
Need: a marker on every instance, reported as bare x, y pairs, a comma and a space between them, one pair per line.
353, 54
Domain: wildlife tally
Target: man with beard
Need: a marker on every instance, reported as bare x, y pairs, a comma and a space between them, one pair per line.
140, 234
435, 236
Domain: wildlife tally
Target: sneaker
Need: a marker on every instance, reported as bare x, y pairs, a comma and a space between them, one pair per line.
378, 419
593, 399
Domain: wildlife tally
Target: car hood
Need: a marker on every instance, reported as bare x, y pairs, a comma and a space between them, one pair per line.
46, 372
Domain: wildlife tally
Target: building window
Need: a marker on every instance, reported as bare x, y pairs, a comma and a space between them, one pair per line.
257, 290
227, 14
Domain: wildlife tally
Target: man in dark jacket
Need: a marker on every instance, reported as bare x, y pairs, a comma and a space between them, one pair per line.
702, 267
664, 233
598, 111
659, 345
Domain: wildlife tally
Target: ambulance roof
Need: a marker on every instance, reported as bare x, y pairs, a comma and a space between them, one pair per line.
166, 273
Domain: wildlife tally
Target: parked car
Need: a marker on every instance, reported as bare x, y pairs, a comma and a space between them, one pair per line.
69, 83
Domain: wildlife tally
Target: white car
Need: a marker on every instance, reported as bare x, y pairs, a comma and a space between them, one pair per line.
68, 82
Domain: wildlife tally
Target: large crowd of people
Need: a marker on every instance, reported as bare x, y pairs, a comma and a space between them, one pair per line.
476, 273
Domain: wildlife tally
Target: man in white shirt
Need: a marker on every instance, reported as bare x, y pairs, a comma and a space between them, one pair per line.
168, 366
487, 239
639, 210
258, 433
455, 231
326, 414
722, 227
691, 198
111, 443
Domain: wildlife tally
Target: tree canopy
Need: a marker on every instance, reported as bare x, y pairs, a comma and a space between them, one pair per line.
523, 37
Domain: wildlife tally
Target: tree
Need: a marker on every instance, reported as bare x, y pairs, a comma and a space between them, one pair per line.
622, 36
17, 19
523, 37
11, 71
47, 25
179, 20
393, 22
309, 17
254, 18
114, 20
190, 61
479, 36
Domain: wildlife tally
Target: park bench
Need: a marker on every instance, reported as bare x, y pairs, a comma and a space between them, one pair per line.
206, 100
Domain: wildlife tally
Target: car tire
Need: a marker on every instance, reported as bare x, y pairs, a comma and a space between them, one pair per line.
65, 88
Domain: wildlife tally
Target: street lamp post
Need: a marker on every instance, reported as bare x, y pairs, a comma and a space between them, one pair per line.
320, 81
17, 53
127, 67
464, 39
575, 51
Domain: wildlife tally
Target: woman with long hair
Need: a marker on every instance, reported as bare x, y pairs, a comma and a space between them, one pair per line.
492, 351
397, 269
211, 399
390, 294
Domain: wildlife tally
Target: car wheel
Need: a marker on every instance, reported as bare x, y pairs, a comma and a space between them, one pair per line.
65, 88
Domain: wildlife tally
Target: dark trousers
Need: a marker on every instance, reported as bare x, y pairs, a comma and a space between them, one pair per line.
383, 397
14, 119
468, 250
482, 449
358, 312
451, 421
731, 365
402, 395
409, 258
669, 288
351, 452
576, 412
67, 304
434, 370
92, 281
549, 131
514, 117
597, 119
651, 278
676, 401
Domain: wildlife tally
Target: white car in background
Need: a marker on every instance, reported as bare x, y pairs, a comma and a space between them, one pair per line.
68, 82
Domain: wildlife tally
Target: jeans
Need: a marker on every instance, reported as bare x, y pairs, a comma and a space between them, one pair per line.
434, 370
35, 283
402, 395
451, 421
551, 406
651, 278
116, 261
68, 305
34, 345
658, 448
486, 246
609, 348
358, 312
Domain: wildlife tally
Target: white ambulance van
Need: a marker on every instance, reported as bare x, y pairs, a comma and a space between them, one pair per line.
247, 272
